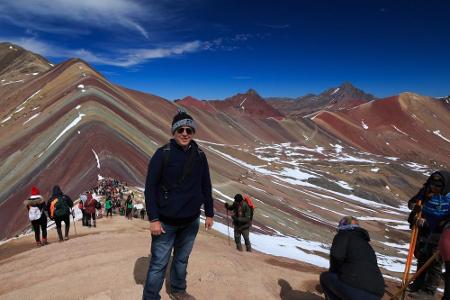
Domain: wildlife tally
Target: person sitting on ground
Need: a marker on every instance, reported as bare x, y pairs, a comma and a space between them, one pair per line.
241, 221
354, 272
435, 209
36, 205
59, 207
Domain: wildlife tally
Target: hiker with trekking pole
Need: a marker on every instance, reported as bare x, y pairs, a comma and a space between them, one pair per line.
242, 209
59, 207
430, 211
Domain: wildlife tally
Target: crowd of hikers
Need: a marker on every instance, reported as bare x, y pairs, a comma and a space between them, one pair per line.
59, 208
178, 184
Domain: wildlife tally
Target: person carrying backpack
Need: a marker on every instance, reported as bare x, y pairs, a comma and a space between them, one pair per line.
242, 221
354, 273
36, 205
177, 185
59, 209
435, 211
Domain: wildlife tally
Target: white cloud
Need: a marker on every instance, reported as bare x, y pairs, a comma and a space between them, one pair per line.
123, 58
43, 14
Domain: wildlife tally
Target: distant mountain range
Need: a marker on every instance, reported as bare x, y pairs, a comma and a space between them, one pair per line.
343, 97
305, 165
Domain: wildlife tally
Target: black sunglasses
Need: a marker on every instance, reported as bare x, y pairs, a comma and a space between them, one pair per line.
188, 130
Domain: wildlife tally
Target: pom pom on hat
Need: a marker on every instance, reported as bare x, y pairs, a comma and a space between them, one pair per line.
182, 118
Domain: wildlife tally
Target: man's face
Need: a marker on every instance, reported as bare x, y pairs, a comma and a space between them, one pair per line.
436, 189
183, 136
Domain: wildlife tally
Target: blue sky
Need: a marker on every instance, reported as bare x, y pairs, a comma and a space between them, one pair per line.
212, 49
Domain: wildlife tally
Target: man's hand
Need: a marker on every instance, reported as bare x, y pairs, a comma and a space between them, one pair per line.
209, 223
421, 222
156, 228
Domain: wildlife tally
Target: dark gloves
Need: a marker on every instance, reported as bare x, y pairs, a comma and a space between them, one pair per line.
227, 206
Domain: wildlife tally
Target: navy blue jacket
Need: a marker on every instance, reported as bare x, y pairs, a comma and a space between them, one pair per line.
183, 203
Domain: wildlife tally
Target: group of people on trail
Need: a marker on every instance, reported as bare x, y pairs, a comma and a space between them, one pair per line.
58, 208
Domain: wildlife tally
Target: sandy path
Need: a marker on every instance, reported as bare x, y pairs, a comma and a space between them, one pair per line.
110, 262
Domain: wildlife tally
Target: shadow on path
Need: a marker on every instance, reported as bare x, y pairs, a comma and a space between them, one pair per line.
287, 293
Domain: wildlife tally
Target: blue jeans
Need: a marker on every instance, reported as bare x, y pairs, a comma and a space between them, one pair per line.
335, 289
181, 240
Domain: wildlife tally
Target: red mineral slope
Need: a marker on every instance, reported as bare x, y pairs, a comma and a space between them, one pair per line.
250, 104
408, 126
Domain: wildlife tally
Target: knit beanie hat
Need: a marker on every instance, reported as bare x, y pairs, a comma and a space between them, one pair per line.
35, 194
436, 180
238, 198
347, 223
182, 119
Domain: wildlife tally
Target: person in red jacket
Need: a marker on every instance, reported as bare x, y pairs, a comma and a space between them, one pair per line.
89, 208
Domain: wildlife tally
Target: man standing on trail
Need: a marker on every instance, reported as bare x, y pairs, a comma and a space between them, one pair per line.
354, 272
178, 184
241, 221
435, 207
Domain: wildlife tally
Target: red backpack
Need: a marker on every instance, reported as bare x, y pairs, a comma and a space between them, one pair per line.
250, 204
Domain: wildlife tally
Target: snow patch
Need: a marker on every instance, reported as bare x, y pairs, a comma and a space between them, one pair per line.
438, 133
364, 125
96, 157
31, 118
335, 91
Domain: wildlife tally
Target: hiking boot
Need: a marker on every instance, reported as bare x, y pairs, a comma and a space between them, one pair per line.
39, 244
413, 288
181, 296
248, 248
239, 247
66, 238
44, 242
59, 234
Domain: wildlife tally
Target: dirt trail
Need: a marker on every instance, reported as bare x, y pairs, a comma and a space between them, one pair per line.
110, 262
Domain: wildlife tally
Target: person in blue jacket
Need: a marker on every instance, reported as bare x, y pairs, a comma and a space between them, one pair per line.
435, 200
177, 185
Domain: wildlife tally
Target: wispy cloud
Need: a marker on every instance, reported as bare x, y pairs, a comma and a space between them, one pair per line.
124, 57
121, 58
43, 15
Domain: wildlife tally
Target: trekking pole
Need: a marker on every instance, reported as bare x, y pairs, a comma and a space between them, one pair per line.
412, 247
417, 274
228, 228
73, 218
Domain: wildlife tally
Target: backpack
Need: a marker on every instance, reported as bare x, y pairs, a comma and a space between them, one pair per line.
61, 208
34, 213
251, 205
98, 205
